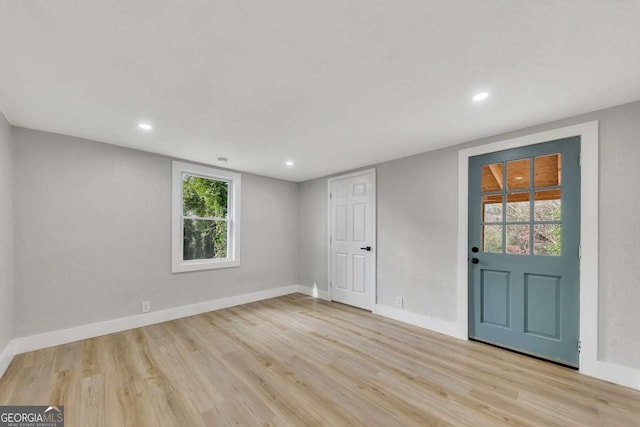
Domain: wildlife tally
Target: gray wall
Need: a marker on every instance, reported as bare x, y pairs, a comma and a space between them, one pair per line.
312, 211
93, 235
417, 242
417, 233
6, 234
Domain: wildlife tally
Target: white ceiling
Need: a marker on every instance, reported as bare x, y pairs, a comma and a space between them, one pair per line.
330, 84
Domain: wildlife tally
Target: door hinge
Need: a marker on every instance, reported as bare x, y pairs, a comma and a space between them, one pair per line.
580, 159
580, 252
331, 195
579, 346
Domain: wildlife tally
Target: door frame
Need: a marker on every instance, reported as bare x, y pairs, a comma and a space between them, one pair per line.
374, 210
588, 133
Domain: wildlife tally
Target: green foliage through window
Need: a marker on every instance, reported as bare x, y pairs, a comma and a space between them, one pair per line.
205, 225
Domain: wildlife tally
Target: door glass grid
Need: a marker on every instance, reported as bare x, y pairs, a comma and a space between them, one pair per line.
522, 209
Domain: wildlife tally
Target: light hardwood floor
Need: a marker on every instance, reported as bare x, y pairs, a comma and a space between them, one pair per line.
296, 360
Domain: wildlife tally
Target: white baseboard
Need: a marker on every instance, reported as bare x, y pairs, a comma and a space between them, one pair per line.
6, 356
313, 292
431, 323
617, 374
63, 336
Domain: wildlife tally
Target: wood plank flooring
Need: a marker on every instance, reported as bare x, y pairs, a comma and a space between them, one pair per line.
294, 361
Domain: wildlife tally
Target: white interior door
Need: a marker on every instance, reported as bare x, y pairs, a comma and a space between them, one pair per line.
352, 239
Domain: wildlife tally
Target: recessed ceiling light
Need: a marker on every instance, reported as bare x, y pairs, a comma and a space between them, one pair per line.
480, 96
145, 126
289, 163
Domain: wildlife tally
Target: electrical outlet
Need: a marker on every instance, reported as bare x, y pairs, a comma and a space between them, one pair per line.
146, 306
399, 302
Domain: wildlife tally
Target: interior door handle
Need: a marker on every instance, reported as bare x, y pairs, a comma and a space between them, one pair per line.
366, 248
474, 260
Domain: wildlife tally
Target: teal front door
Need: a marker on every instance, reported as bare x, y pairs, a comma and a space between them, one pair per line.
524, 240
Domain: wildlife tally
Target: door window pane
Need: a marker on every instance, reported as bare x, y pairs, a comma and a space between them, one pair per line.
492, 177
548, 205
492, 238
492, 208
513, 206
518, 174
548, 170
518, 239
547, 239
518, 208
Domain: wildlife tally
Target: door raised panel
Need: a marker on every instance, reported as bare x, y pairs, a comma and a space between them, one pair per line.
341, 271
495, 298
359, 221
341, 223
542, 305
360, 189
341, 192
359, 273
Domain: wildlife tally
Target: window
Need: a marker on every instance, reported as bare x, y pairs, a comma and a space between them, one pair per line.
205, 218
522, 209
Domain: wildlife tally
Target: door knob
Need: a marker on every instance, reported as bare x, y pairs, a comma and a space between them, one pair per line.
474, 260
475, 249
366, 248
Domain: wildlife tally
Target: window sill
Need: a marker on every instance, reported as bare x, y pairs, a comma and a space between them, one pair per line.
203, 265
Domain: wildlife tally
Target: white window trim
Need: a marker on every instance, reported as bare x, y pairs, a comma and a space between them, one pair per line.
178, 265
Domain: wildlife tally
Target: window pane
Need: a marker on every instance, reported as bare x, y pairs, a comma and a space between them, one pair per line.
492, 177
547, 206
492, 238
548, 170
518, 209
518, 174
204, 197
518, 239
547, 239
492, 208
204, 239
